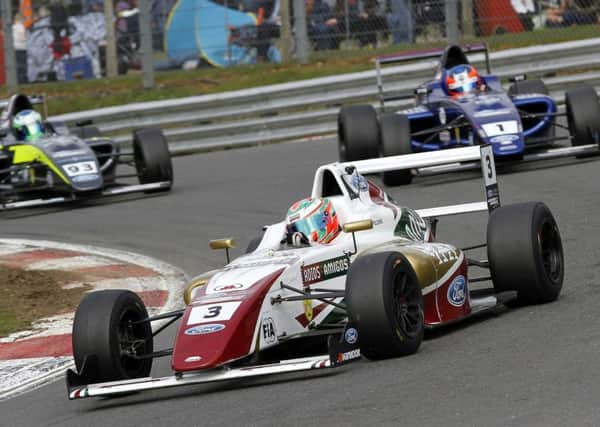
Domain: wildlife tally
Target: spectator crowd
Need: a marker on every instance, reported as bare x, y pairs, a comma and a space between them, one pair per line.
61, 39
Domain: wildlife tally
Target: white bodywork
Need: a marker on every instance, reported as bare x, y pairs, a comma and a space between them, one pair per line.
352, 203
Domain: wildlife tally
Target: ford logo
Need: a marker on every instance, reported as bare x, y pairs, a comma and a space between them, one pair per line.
205, 329
351, 335
457, 292
504, 138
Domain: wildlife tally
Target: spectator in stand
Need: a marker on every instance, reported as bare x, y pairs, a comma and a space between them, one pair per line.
20, 45
573, 12
526, 9
322, 25
365, 20
400, 21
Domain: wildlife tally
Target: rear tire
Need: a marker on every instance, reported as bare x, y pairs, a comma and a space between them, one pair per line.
583, 115
86, 132
395, 140
152, 157
358, 133
525, 252
59, 127
102, 331
384, 300
528, 87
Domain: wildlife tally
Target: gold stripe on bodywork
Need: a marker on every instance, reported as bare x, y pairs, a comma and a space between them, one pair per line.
430, 261
195, 283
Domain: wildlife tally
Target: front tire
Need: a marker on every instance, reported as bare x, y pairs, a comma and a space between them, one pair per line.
152, 157
384, 300
583, 115
395, 140
358, 133
525, 252
103, 332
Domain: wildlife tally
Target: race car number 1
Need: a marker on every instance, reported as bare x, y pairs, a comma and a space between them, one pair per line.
213, 312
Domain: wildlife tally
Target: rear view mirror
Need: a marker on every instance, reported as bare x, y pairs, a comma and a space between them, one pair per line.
353, 227
222, 244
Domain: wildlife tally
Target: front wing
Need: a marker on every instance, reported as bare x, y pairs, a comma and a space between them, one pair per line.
214, 375
126, 189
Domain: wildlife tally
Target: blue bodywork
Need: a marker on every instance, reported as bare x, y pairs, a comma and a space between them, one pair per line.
511, 124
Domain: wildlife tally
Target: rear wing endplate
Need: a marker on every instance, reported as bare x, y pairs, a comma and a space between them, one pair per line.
480, 153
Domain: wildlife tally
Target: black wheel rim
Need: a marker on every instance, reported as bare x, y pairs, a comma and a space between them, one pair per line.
132, 343
408, 306
551, 251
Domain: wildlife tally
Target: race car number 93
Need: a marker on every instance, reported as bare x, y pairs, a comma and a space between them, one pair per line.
81, 168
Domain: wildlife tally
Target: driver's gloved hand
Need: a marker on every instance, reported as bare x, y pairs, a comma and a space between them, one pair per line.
296, 239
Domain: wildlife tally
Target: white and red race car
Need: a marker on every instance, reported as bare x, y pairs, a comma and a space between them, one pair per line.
371, 291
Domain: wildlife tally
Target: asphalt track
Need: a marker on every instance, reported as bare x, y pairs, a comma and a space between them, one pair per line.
533, 366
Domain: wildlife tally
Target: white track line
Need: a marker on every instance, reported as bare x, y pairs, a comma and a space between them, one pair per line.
174, 280
69, 263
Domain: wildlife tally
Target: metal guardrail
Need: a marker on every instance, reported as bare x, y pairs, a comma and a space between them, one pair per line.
310, 107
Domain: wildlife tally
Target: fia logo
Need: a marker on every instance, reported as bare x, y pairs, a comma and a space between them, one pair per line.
268, 331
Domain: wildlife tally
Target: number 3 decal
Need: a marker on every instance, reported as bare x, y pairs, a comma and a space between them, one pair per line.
213, 312
488, 162
488, 167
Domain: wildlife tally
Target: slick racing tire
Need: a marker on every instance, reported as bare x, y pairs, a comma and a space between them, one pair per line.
384, 301
525, 252
528, 87
104, 337
86, 132
358, 133
152, 157
395, 140
583, 115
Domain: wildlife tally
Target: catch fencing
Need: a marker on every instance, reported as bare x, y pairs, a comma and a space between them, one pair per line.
309, 108
93, 38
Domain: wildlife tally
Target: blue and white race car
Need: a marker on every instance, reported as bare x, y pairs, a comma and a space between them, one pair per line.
460, 107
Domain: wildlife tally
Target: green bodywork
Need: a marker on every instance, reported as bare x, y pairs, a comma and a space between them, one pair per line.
25, 153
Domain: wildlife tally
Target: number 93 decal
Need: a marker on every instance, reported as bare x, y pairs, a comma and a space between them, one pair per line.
81, 168
213, 312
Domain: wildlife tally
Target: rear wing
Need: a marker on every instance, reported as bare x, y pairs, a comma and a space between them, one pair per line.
398, 58
33, 99
480, 153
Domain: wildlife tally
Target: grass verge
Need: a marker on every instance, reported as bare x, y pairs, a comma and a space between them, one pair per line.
26, 296
64, 97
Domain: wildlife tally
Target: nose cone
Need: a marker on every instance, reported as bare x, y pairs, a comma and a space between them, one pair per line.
218, 328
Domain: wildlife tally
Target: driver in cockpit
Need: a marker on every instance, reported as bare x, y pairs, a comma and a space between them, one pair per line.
27, 125
311, 221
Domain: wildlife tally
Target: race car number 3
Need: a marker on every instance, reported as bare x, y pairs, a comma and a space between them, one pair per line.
81, 168
213, 312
